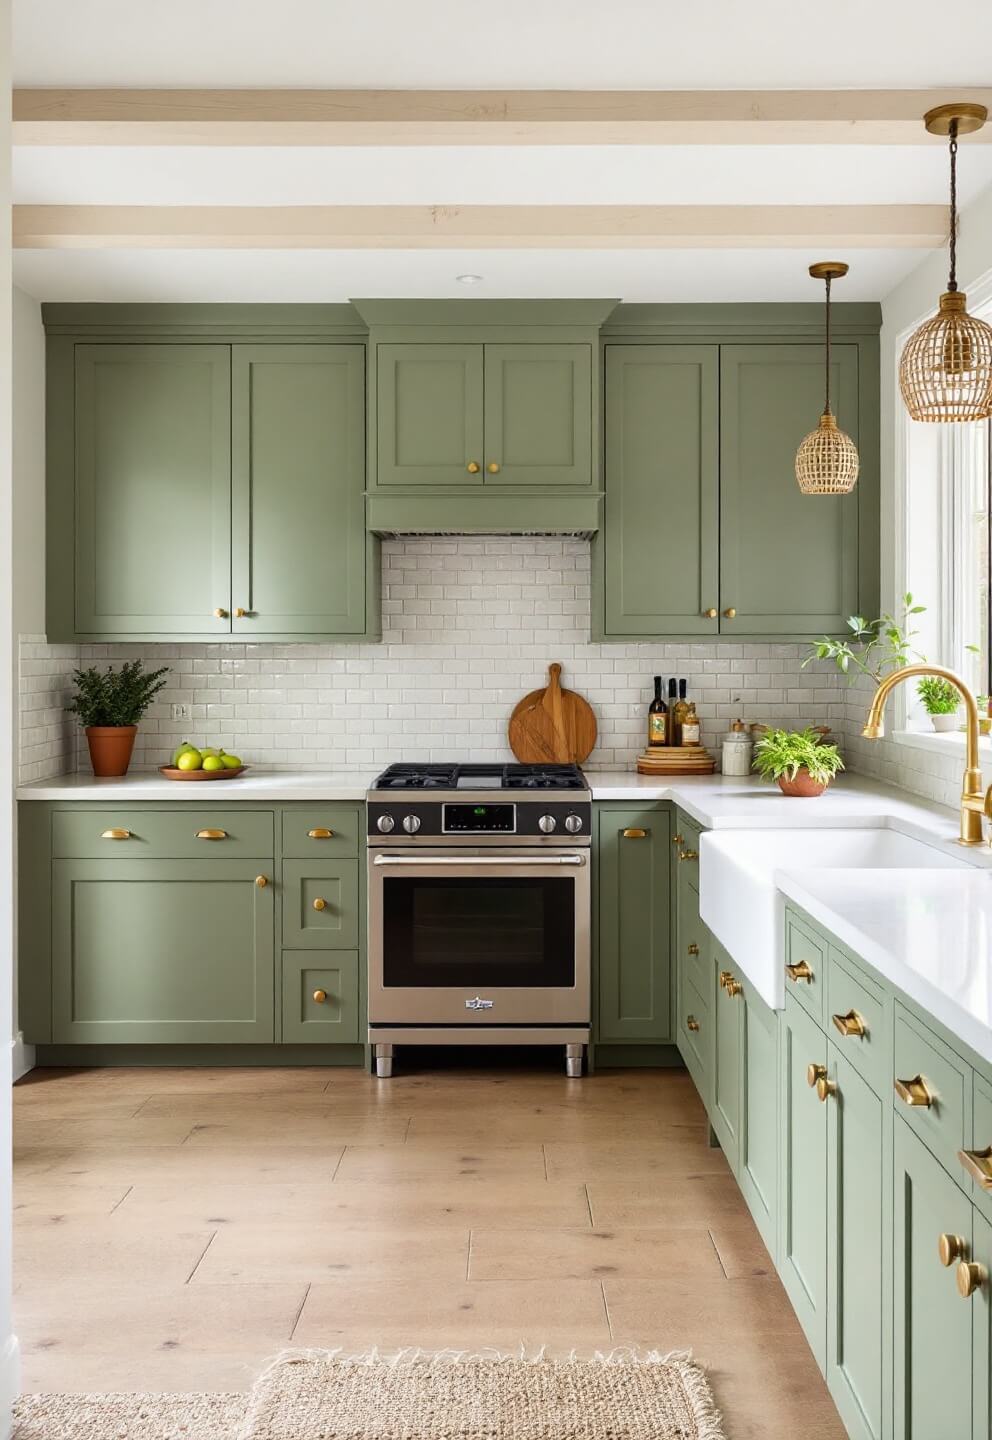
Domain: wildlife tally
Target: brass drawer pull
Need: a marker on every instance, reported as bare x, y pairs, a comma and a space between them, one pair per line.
970, 1277
319, 833
320, 996
261, 881
799, 972
635, 833
116, 834
915, 1091
211, 834
951, 1248
851, 1024
320, 903
814, 1073
978, 1164
693, 949
688, 854
691, 1023
825, 1088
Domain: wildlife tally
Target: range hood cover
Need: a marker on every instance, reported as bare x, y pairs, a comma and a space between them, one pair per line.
574, 516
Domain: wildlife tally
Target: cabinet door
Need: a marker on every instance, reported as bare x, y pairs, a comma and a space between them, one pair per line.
858, 1230
153, 490
162, 951
802, 1247
299, 490
788, 561
538, 409
320, 1003
933, 1336
981, 1321
728, 1010
662, 489
429, 414
758, 1165
634, 942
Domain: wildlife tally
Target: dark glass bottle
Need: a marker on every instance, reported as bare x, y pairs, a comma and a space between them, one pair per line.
679, 711
657, 717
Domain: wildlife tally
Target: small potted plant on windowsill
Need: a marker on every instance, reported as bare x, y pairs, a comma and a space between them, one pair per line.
109, 704
798, 760
940, 700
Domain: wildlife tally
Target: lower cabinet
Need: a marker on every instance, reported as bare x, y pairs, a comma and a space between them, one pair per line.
320, 997
802, 1236
757, 1169
633, 923
728, 1029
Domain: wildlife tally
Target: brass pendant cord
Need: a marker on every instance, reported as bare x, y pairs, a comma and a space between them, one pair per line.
826, 401
952, 283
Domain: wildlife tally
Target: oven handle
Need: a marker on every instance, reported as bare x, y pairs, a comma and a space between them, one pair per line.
529, 861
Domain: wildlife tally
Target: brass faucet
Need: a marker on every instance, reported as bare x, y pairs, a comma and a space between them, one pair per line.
974, 804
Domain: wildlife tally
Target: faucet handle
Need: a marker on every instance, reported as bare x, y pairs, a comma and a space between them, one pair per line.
988, 806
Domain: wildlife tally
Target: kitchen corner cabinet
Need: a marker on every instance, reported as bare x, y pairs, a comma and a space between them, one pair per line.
633, 923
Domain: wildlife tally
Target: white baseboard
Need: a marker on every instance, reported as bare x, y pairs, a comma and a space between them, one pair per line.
10, 1384
21, 1056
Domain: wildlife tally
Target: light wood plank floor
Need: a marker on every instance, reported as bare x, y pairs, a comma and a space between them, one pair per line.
175, 1228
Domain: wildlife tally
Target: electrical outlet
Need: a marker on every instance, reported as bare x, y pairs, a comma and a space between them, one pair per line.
181, 712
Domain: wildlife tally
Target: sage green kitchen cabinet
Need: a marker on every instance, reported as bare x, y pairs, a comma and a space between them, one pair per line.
140, 543
538, 415
298, 518
728, 1039
320, 1000
175, 951
788, 561
633, 920
757, 1168
661, 520
981, 1322
429, 425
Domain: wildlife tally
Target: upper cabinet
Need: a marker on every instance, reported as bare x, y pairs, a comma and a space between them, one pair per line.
429, 414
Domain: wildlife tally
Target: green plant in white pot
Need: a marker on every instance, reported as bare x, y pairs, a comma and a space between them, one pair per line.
798, 760
941, 700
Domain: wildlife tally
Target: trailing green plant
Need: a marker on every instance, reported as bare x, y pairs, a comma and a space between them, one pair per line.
874, 646
115, 697
939, 696
786, 752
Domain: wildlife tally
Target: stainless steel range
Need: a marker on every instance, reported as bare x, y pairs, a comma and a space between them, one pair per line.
479, 908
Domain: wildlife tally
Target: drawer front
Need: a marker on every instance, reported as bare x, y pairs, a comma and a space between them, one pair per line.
232, 834
979, 1170
942, 1125
855, 1004
305, 831
320, 904
696, 1044
320, 1002
806, 953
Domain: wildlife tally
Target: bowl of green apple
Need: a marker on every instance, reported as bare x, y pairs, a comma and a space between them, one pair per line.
190, 762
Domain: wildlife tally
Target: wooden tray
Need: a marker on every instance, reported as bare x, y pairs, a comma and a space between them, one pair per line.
676, 760
552, 725
172, 773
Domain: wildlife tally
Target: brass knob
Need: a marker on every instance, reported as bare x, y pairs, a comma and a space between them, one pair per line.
814, 1073
825, 1087
472, 467
730, 613
850, 1024
978, 1164
693, 949
970, 1277
688, 854
733, 987
211, 834
691, 1023
951, 1248
711, 613
320, 904
493, 467
914, 1092
241, 612
320, 996
678, 839
220, 614
634, 833
261, 881
725, 979
116, 834
319, 833
799, 972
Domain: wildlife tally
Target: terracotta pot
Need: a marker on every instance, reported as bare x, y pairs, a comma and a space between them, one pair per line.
110, 748
803, 785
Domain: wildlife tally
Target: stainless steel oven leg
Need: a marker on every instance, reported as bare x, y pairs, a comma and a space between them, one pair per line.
573, 1061
384, 1062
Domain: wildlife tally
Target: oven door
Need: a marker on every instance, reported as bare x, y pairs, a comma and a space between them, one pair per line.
466, 936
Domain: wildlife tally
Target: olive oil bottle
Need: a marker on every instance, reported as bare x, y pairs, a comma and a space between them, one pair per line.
658, 717
678, 713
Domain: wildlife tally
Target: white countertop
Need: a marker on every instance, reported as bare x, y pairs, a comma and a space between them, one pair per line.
260, 786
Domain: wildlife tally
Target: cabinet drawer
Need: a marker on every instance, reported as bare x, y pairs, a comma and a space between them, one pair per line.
320, 997
979, 1170
305, 832
173, 834
854, 1002
946, 1080
806, 953
697, 1043
320, 904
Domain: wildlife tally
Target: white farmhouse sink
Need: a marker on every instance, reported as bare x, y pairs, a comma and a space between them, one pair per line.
742, 905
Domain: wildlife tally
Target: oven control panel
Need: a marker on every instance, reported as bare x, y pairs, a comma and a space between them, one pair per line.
538, 819
488, 819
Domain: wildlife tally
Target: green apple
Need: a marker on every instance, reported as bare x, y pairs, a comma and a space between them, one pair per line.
212, 762
190, 759
209, 753
181, 750
231, 762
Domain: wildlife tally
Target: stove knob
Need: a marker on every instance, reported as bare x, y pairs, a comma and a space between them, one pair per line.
411, 824
386, 823
546, 824
573, 824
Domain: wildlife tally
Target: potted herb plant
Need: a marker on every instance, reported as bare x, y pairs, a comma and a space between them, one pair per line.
940, 700
109, 704
798, 760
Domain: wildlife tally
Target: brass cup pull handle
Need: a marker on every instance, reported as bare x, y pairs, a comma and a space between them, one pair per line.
634, 833
319, 833
825, 1088
951, 1248
730, 613
691, 1023
493, 467
970, 1276
850, 1024
116, 834
814, 1073
692, 949
711, 613
914, 1092
472, 467
799, 972
688, 855
320, 903
221, 614
211, 834
261, 881
978, 1164
320, 996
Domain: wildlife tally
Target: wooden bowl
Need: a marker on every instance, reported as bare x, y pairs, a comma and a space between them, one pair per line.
171, 772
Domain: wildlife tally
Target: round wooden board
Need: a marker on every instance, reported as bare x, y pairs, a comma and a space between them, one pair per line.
172, 773
552, 726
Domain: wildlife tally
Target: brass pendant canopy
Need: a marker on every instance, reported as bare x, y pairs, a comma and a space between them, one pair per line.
827, 461
945, 373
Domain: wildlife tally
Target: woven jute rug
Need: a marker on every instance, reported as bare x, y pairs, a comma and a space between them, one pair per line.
321, 1395
129, 1417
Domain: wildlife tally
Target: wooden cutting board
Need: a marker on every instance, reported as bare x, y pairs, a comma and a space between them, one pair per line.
552, 726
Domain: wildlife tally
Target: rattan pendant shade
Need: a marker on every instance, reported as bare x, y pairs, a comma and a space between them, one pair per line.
827, 461
945, 373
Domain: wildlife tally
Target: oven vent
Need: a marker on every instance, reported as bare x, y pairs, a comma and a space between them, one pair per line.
571, 517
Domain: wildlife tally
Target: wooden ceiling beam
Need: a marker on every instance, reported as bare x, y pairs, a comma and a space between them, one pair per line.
481, 117
477, 227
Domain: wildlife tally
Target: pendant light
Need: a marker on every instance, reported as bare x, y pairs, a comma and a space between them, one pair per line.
945, 373
827, 460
